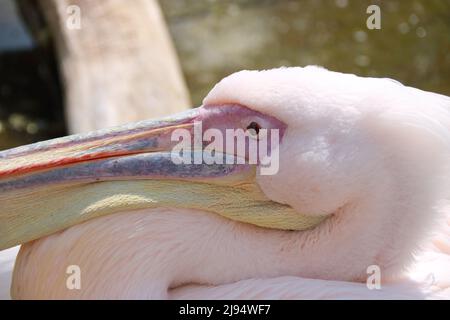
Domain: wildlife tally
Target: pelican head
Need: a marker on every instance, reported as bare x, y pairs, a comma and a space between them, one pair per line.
362, 166
369, 154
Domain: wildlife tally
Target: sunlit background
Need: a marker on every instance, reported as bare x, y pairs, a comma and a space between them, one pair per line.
216, 38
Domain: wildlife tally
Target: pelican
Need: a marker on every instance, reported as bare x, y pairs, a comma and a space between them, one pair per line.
362, 180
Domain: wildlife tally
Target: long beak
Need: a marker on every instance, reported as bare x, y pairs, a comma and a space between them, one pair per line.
52, 185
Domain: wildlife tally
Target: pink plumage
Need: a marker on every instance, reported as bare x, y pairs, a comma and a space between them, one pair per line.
370, 152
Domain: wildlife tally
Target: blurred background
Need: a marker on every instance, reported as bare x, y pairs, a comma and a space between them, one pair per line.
139, 58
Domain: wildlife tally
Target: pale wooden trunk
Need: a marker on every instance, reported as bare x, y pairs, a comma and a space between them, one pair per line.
120, 66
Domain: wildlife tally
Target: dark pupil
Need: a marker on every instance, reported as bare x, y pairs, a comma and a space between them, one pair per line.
254, 126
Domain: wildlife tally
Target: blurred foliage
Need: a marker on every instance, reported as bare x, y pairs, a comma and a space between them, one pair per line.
217, 37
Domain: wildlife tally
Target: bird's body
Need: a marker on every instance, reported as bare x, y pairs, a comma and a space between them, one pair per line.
369, 154
146, 254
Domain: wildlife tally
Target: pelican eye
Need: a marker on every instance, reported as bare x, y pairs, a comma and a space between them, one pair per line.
253, 129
